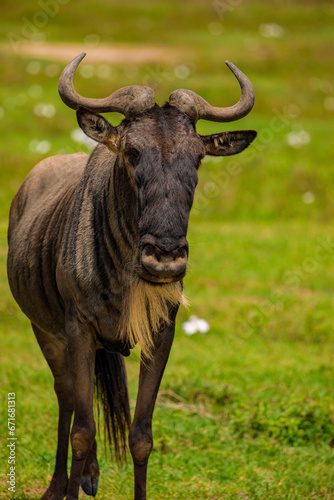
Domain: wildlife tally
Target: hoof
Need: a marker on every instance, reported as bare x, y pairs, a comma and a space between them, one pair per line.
90, 485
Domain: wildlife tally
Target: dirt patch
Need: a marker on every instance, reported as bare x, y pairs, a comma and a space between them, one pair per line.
120, 54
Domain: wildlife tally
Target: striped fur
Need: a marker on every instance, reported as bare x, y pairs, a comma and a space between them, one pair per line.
92, 249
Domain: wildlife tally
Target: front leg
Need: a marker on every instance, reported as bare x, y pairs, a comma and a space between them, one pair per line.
81, 349
140, 435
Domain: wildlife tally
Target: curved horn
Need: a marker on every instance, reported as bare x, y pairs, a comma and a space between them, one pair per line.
130, 101
197, 108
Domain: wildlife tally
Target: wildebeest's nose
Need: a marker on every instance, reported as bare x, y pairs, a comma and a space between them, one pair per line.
161, 263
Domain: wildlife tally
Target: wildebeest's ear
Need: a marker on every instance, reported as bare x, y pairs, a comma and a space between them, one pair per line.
228, 143
97, 128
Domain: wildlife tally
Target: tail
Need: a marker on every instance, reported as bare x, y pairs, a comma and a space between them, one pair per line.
113, 400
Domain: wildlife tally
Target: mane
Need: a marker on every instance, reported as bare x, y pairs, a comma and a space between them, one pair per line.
146, 310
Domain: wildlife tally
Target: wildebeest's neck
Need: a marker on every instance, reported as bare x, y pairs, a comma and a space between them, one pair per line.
105, 239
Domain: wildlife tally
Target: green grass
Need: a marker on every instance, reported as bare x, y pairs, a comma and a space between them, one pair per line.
245, 411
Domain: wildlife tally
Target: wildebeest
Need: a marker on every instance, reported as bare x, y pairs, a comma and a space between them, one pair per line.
97, 254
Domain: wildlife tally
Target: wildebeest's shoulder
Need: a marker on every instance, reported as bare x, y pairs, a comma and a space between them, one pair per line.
48, 181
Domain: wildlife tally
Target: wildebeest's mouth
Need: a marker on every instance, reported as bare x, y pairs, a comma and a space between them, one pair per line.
159, 264
153, 278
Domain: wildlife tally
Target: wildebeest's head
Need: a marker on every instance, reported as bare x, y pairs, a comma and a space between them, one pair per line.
162, 152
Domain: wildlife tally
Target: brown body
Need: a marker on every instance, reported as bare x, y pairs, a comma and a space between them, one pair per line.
36, 231
97, 253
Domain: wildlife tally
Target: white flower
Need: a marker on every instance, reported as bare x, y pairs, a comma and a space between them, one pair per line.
298, 139
41, 147
194, 325
46, 110
181, 71
308, 197
77, 135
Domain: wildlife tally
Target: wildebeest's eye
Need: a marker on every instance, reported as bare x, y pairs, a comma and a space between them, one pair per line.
133, 155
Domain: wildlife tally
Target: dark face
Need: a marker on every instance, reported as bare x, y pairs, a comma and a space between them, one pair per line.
164, 151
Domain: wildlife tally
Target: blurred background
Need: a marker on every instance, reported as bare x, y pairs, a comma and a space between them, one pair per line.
246, 409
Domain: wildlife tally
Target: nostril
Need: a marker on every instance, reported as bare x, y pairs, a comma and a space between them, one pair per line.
148, 250
181, 252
